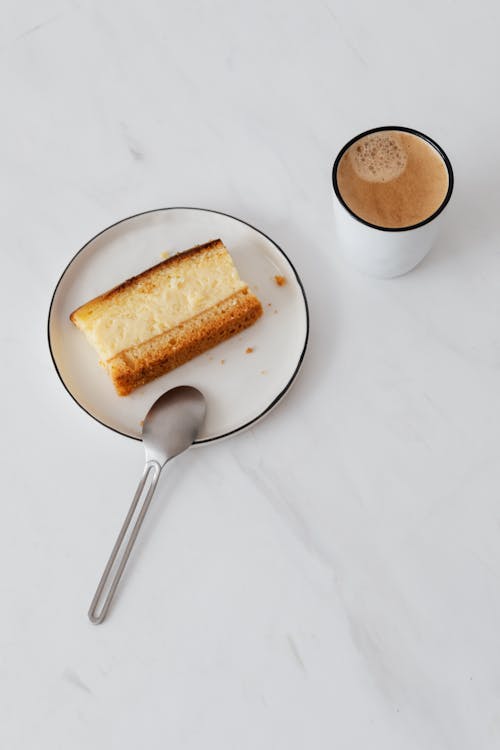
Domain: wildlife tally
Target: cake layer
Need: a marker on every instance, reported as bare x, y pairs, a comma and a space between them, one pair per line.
145, 361
158, 299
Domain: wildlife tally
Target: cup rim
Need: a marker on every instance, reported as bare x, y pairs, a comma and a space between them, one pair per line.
403, 129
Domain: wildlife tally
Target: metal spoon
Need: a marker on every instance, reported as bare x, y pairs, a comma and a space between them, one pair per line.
170, 427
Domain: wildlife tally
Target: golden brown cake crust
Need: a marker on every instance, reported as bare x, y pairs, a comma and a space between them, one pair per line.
140, 364
171, 262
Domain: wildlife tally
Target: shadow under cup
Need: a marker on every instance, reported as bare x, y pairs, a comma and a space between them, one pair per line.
386, 251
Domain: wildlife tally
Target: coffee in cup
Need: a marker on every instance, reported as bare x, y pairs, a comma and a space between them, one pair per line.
392, 179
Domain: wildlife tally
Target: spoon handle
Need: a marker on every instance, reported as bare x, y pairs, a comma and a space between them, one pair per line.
151, 468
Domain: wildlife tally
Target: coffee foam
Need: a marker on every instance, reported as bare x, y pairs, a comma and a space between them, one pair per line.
379, 157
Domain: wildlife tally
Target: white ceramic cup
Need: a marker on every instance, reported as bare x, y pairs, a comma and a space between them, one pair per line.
380, 251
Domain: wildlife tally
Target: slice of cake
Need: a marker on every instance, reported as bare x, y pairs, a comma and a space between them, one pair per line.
165, 316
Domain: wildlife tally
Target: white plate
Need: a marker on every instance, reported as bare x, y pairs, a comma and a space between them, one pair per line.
239, 387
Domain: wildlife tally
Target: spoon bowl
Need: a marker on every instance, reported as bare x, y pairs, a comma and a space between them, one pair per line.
172, 424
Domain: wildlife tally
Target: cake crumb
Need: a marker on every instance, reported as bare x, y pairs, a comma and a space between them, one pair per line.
275, 312
263, 372
222, 361
249, 350
269, 304
280, 280
165, 255
141, 423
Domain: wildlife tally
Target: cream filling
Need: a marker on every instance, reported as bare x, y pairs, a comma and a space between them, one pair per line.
161, 302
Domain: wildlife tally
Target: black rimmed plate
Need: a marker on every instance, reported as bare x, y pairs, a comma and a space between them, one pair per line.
240, 385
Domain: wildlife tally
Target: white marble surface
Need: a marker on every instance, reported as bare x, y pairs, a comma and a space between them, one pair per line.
329, 579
